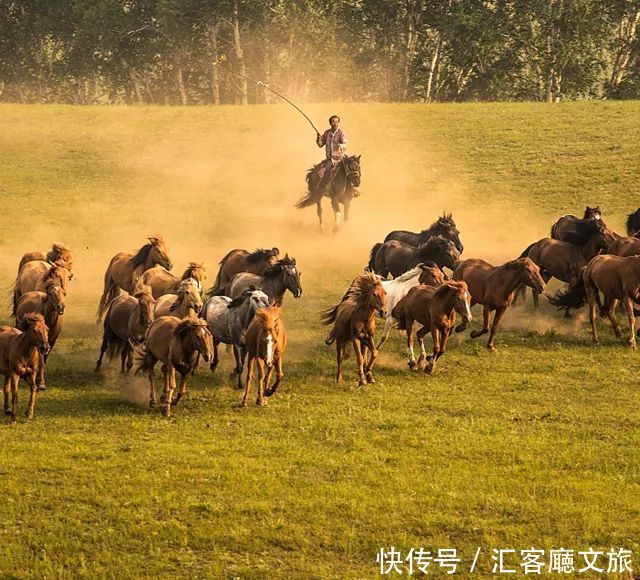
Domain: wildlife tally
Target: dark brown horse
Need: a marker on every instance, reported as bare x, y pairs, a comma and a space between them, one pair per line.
124, 270
396, 258
618, 279
51, 305
178, 344
633, 223
435, 309
274, 281
237, 261
444, 226
574, 230
342, 188
494, 287
355, 324
21, 352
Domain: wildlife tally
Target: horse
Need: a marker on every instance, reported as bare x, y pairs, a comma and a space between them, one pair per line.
342, 188
572, 229
274, 281
354, 322
51, 305
178, 344
21, 352
625, 246
266, 341
435, 309
58, 253
228, 320
633, 223
494, 287
124, 269
187, 302
396, 257
618, 278
565, 261
444, 226
37, 275
126, 322
237, 261
162, 282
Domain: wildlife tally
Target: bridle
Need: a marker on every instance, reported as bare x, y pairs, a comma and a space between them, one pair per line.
349, 172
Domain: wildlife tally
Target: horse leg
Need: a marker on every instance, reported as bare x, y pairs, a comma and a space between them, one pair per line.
388, 323
412, 356
33, 384
183, 389
632, 322
339, 353
216, 356
612, 317
320, 214
420, 336
103, 348
494, 327
372, 359
42, 363
436, 336
239, 353
169, 386
247, 388
279, 376
7, 390
152, 388
124, 355
357, 347
337, 214
347, 207
261, 401
15, 379
486, 312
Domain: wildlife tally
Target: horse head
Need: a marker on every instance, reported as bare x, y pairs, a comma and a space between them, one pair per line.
461, 299
291, 276
146, 304
34, 326
446, 227
56, 296
158, 252
352, 169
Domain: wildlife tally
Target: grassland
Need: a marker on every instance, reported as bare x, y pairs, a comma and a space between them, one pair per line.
535, 445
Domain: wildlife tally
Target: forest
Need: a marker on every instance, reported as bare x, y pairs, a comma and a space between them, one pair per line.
184, 52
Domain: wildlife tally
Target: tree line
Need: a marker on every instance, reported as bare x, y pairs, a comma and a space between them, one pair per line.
180, 52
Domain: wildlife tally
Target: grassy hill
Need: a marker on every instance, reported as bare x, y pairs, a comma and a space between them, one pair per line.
534, 445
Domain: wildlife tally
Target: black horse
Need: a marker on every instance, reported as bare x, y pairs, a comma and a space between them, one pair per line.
396, 257
444, 226
574, 230
342, 186
633, 223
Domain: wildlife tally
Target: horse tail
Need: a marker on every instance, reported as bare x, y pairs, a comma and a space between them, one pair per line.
329, 315
398, 313
142, 358
110, 291
372, 257
574, 297
311, 198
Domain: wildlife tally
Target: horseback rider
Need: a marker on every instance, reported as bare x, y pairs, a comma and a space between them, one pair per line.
334, 140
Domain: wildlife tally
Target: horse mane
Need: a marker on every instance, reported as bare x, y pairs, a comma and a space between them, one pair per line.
265, 317
632, 223
29, 319
409, 274
141, 256
188, 273
513, 264
262, 254
189, 324
446, 220
238, 300
54, 274
359, 292
435, 242
277, 268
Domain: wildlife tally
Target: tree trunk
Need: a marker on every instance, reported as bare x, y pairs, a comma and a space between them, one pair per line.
212, 28
626, 35
432, 68
182, 93
237, 48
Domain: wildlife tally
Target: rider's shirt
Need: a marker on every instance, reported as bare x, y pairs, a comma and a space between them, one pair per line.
334, 142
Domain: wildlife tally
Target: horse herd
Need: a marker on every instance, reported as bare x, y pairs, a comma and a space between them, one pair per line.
149, 315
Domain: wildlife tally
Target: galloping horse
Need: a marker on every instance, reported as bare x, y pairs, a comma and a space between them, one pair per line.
274, 281
58, 253
162, 282
37, 275
186, 302
124, 269
341, 190
633, 223
574, 230
396, 258
237, 261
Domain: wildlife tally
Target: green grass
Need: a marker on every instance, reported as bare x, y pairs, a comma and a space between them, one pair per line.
535, 445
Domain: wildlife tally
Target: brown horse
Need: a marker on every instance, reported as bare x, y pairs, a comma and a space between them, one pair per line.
565, 261
185, 303
237, 261
354, 320
177, 344
58, 253
124, 269
435, 309
21, 352
494, 287
127, 320
574, 230
162, 282
51, 305
266, 341
618, 278
36, 275
625, 246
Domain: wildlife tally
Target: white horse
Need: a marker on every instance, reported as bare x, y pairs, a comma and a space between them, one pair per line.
399, 287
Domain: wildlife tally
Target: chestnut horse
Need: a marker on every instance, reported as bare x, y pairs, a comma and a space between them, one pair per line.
494, 287
266, 341
186, 302
162, 282
177, 344
237, 261
58, 253
36, 275
51, 305
618, 278
21, 352
435, 309
124, 269
127, 320
625, 246
354, 320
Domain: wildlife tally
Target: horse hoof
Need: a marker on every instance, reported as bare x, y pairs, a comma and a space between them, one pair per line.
475, 334
460, 328
491, 348
412, 365
261, 402
7, 412
428, 369
152, 404
42, 387
166, 411
370, 379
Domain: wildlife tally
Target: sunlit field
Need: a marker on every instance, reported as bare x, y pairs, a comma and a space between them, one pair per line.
535, 445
